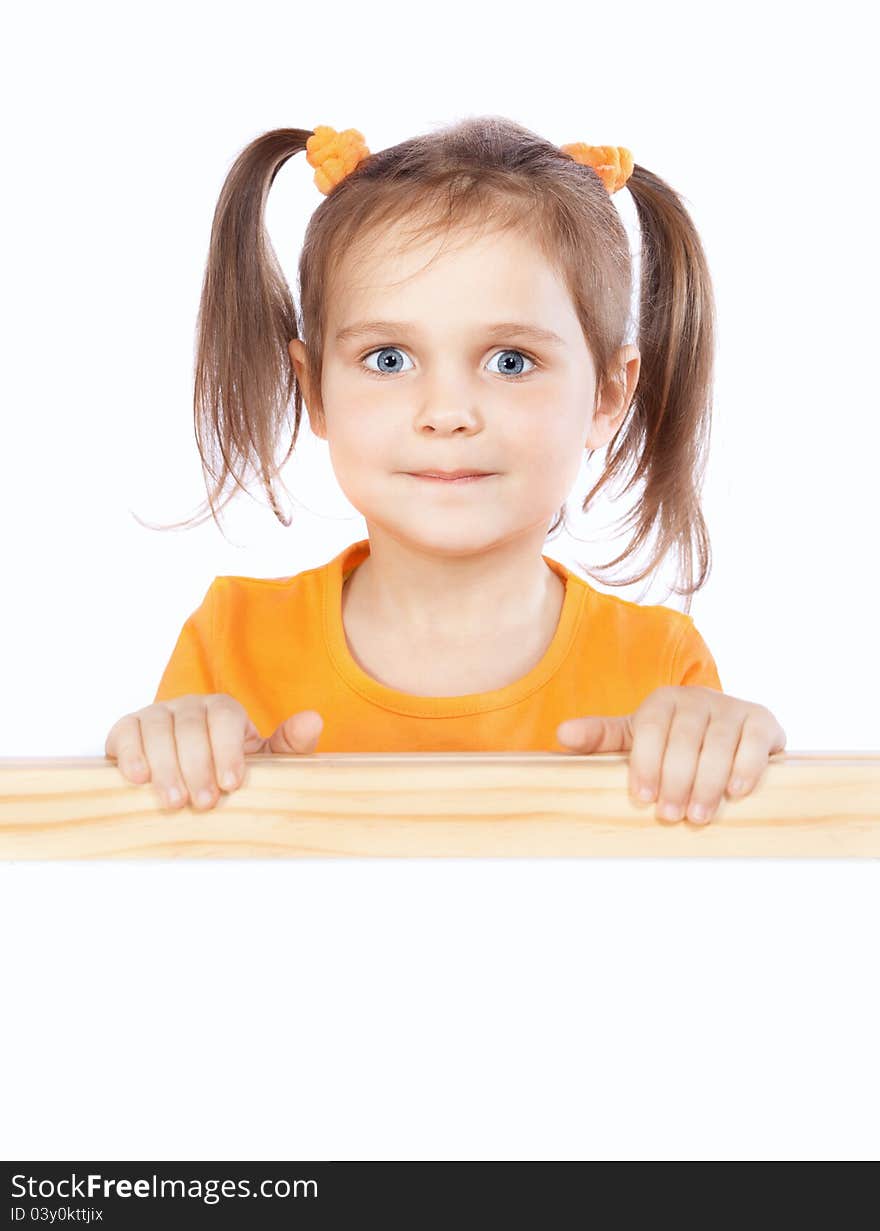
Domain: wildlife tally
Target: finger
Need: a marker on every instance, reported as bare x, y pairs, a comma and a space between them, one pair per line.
253, 740
650, 732
757, 737
157, 734
683, 748
228, 730
125, 746
298, 733
714, 768
595, 733
195, 754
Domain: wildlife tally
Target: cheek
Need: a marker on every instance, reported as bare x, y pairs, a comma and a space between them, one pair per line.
364, 451
548, 445
359, 426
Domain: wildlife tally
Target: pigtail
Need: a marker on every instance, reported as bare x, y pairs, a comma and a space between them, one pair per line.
244, 379
670, 428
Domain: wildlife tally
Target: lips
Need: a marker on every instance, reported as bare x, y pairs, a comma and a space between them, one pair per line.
450, 474
467, 479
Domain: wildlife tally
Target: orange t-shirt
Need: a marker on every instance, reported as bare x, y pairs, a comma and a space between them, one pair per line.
278, 646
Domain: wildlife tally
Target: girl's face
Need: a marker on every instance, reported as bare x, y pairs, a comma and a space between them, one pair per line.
454, 382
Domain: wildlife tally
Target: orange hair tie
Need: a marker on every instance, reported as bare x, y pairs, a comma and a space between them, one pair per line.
612, 163
335, 154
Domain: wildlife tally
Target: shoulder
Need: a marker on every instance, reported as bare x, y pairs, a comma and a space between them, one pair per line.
237, 585
241, 604
649, 638
637, 619
239, 581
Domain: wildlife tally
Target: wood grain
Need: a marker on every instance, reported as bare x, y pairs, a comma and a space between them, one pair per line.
433, 804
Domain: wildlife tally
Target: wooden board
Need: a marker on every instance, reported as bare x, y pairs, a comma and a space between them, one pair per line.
433, 804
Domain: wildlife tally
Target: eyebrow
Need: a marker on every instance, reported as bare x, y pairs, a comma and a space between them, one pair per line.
502, 329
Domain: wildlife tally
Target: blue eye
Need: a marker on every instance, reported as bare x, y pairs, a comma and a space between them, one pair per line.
386, 362
385, 352
520, 354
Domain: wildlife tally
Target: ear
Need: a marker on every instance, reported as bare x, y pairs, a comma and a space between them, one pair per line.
298, 358
616, 396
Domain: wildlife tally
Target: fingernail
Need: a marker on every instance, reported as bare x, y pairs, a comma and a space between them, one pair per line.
697, 812
670, 812
173, 795
736, 786
645, 793
229, 780
204, 798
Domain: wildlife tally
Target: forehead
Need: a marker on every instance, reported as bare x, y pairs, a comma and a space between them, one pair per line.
397, 273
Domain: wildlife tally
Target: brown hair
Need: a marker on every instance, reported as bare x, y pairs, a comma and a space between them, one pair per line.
483, 170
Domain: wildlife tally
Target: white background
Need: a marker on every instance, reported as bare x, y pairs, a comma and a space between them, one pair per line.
431, 1009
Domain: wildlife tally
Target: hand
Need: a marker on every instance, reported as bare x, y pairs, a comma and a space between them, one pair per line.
189, 745
689, 744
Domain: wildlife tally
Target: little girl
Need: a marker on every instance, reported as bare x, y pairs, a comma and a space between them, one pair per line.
464, 300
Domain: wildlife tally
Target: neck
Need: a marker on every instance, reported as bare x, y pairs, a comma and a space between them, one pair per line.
429, 600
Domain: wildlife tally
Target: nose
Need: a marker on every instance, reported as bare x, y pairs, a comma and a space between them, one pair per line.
449, 405
446, 425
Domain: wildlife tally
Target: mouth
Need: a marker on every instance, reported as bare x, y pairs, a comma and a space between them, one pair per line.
453, 478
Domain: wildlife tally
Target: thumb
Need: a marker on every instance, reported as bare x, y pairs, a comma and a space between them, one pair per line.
596, 733
298, 733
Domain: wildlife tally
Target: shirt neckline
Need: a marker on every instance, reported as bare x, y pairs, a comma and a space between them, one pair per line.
472, 703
